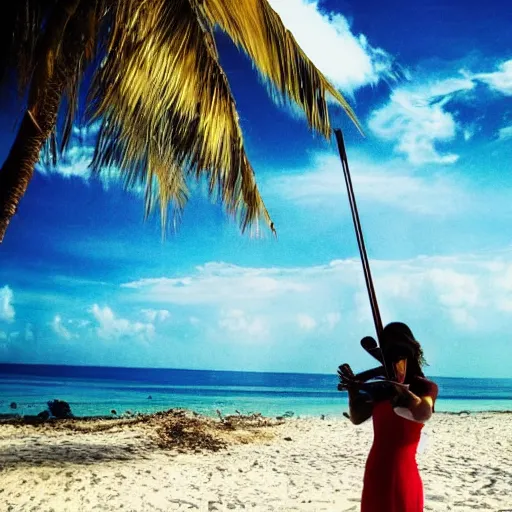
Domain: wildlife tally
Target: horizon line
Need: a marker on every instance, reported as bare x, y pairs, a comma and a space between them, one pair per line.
2, 364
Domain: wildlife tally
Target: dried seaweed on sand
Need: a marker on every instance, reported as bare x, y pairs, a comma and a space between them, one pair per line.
176, 429
186, 432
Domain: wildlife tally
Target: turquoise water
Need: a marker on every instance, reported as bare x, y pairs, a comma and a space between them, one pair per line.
94, 391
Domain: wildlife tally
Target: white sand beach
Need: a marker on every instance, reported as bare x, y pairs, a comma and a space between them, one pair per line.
300, 465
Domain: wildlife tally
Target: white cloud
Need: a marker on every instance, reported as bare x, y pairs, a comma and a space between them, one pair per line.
59, 329
306, 322
347, 59
242, 325
7, 312
152, 315
463, 318
387, 183
331, 320
468, 132
446, 300
464, 290
444, 89
455, 288
500, 80
505, 133
77, 158
416, 119
76, 162
459, 293
216, 283
87, 133
111, 327
82, 323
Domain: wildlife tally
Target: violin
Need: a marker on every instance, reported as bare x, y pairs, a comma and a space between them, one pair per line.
348, 378
372, 373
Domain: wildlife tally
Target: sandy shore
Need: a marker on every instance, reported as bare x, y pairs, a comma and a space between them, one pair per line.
301, 465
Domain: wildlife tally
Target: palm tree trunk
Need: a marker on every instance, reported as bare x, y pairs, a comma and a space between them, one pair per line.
46, 90
18, 168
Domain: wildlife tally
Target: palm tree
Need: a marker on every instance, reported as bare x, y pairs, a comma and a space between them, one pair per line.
155, 83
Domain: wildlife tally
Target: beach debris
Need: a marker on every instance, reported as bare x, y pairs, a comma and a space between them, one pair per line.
44, 415
31, 419
288, 439
179, 430
60, 409
255, 420
9, 418
186, 432
114, 412
13, 405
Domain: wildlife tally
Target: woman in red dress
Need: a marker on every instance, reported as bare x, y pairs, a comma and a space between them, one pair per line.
392, 482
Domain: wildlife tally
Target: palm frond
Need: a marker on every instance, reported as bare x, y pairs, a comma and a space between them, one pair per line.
22, 30
36, 31
40, 37
65, 47
166, 106
165, 103
87, 26
256, 28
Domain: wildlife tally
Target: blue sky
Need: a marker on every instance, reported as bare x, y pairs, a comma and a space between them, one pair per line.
83, 280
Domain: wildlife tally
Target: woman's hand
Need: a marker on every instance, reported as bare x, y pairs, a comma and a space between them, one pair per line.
347, 378
360, 403
378, 390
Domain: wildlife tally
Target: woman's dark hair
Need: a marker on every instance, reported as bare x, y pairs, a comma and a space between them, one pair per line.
398, 342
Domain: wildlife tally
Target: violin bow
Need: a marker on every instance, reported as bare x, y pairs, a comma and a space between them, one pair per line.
360, 242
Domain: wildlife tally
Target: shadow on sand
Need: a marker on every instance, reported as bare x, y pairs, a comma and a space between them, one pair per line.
67, 453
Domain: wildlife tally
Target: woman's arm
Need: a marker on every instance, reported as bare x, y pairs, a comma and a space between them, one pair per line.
360, 405
416, 407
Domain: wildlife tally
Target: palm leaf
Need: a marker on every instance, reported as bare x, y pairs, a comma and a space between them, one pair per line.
21, 29
166, 103
255, 27
166, 106
43, 31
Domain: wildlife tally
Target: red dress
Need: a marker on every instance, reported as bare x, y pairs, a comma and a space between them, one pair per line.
392, 482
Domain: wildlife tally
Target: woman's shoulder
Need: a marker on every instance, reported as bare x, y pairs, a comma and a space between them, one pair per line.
423, 386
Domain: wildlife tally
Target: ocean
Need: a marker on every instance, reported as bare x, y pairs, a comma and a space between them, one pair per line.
96, 391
